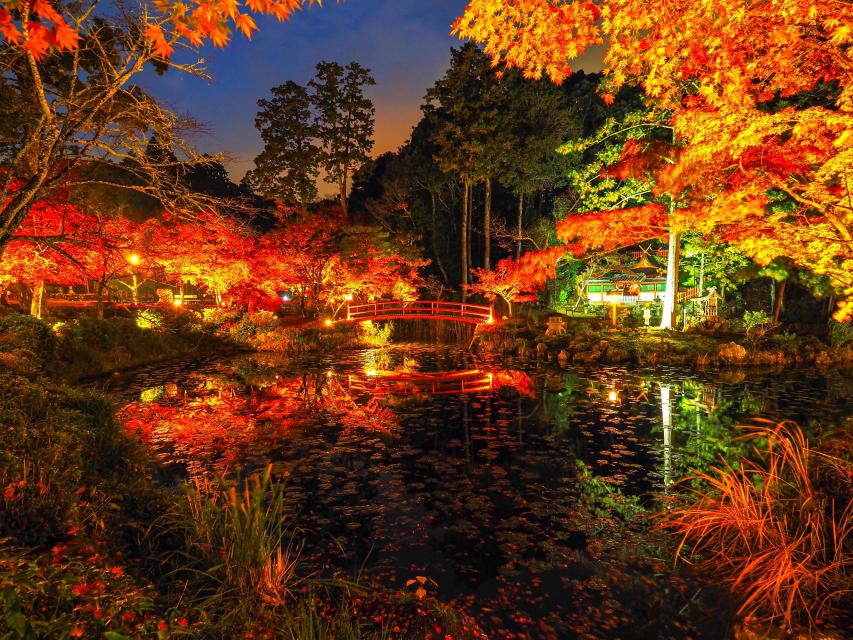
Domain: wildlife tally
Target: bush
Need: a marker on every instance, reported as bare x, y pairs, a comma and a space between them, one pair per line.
786, 341
56, 441
252, 324
218, 316
94, 346
149, 319
27, 335
70, 594
375, 334
754, 320
840, 332
779, 531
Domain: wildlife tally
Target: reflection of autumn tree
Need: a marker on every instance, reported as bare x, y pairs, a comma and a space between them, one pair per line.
216, 426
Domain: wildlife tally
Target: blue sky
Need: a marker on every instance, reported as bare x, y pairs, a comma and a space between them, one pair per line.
405, 43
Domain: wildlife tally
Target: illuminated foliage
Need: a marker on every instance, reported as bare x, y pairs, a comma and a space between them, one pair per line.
759, 100
38, 28
517, 280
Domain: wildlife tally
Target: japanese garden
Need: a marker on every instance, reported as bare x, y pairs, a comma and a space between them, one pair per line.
452, 320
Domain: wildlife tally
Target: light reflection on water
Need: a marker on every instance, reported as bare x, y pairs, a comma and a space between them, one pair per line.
478, 487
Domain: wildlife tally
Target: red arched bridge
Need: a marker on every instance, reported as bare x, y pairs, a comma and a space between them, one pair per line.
421, 310
380, 383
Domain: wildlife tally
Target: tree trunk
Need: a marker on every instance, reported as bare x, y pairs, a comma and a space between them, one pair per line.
519, 227
702, 274
666, 420
669, 319
470, 226
780, 300
342, 193
487, 226
38, 305
434, 244
464, 239
99, 300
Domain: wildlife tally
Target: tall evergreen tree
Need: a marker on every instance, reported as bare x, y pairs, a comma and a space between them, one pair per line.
537, 121
288, 166
344, 118
464, 106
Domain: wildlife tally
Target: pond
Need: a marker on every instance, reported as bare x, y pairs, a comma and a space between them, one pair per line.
520, 490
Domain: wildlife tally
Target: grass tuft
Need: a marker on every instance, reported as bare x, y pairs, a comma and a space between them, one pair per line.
777, 530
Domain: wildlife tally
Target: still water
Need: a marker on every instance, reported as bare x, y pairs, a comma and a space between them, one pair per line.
521, 490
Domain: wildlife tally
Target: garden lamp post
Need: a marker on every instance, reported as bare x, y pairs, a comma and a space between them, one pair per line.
134, 260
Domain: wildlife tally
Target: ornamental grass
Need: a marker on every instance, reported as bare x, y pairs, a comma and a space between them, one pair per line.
776, 528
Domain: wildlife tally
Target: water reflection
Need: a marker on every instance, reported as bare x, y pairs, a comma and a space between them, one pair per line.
503, 493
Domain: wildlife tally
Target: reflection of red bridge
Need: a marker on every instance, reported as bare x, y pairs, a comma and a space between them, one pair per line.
421, 310
407, 384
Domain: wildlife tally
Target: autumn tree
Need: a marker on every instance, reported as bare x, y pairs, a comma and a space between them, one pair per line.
344, 121
287, 168
78, 115
517, 280
730, 74
214, 252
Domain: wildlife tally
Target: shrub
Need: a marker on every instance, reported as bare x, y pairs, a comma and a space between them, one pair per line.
56, 442
218, 316
375, 334
149, 319
840, 332
787, 341
20, 333
753, 320
71, 593
252, 324
779, 530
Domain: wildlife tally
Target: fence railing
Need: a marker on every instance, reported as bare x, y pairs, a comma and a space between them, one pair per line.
421, 309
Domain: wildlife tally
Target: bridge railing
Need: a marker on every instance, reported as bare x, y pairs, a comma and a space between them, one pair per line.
385, 383
420, 309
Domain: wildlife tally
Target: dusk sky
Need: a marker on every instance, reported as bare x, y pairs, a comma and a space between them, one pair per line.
405, 43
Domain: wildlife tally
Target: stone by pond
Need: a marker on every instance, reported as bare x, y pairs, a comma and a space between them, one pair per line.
525, 502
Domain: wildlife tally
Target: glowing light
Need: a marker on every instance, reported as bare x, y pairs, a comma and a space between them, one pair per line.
370, 372
613, 396
328, 322
491, 320
329, 373
133, 259
177, 302
348, 297
285, 297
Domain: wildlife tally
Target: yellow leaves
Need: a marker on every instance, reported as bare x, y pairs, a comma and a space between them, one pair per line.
841, 35
843, 139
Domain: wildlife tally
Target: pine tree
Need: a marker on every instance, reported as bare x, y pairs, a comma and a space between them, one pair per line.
344, 118
289, 164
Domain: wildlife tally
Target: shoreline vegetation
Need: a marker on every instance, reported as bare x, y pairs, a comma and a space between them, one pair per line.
97, 542
588, 342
